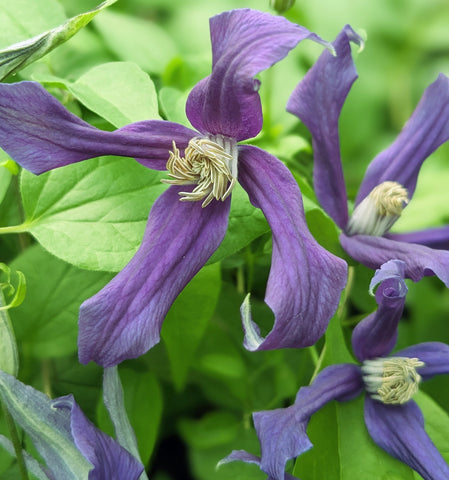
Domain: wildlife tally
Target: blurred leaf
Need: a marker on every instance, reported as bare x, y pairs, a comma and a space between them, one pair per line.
19, 55
91, 214
173, 104
187, 321
9, 361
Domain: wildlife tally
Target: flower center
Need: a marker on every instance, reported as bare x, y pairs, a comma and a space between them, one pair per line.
392, 380
378, 211
210, 163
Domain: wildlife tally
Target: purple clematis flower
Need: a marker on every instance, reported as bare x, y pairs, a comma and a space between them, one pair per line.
393, 420
188, 221
390, 179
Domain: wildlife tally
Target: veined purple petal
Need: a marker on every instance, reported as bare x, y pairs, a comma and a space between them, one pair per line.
432, 237
282, 432
305, 280
317, 101
435, 355
40, 134
376, 335
124, 319
424, 132
419, 260
244, 42
399, 430
110, 460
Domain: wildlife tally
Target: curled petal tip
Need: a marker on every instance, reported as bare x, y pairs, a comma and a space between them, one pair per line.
253, 339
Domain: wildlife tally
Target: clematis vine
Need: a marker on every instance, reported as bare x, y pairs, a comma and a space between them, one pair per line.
393, 419
390, 179
188, 221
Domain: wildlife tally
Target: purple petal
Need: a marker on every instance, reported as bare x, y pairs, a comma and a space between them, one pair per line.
282, 432
424, 132
40, 134
399, 430
109, 459
376, 335
244, 42
124, 319
433, 237
435, 355
419, 260
317, 101
305, 280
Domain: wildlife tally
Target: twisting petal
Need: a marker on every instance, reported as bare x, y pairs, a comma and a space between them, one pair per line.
376, 335
317, 101
244, 42
424, 132
399, 430
109, 459
435, 355
432, 237
124, 319
40, 134
282, 432
305, 280
419, 260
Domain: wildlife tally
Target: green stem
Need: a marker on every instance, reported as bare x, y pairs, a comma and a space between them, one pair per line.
16, 443
14, 229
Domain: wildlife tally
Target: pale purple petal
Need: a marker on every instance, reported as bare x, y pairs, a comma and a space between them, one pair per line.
419, 260
435, 355
424, 132
124, 319
244, 42
109, 459
317, 101
376, 335
432, 237
305, 280
283, 432
40, 134
399, 430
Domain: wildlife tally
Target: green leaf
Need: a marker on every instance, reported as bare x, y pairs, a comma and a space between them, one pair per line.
91, 214
48, 318
9, 361
173, 104
187, 321
17, 293
19, 55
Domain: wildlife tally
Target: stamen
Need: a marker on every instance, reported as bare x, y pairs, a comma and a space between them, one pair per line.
392, 380
210, 163
378, 211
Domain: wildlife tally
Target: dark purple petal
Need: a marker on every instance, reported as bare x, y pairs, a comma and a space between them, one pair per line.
433, 237
305, 280
376, 335
109, 459
424, 132
124, 319
244, 42
40, 134
317, 101
419, 260
435, 355
282, 432
399, 430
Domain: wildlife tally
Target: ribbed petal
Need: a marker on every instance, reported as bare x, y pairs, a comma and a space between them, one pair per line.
124, 319
376, 335
435, 355
399, 430
419, 260
431, 237
282, 432
244, 42
317, 101
305, 280
40, 134
424, 132
109, 459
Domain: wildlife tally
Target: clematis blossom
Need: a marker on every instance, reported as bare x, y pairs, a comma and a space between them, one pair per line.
189, 220
390, 180
392, 418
